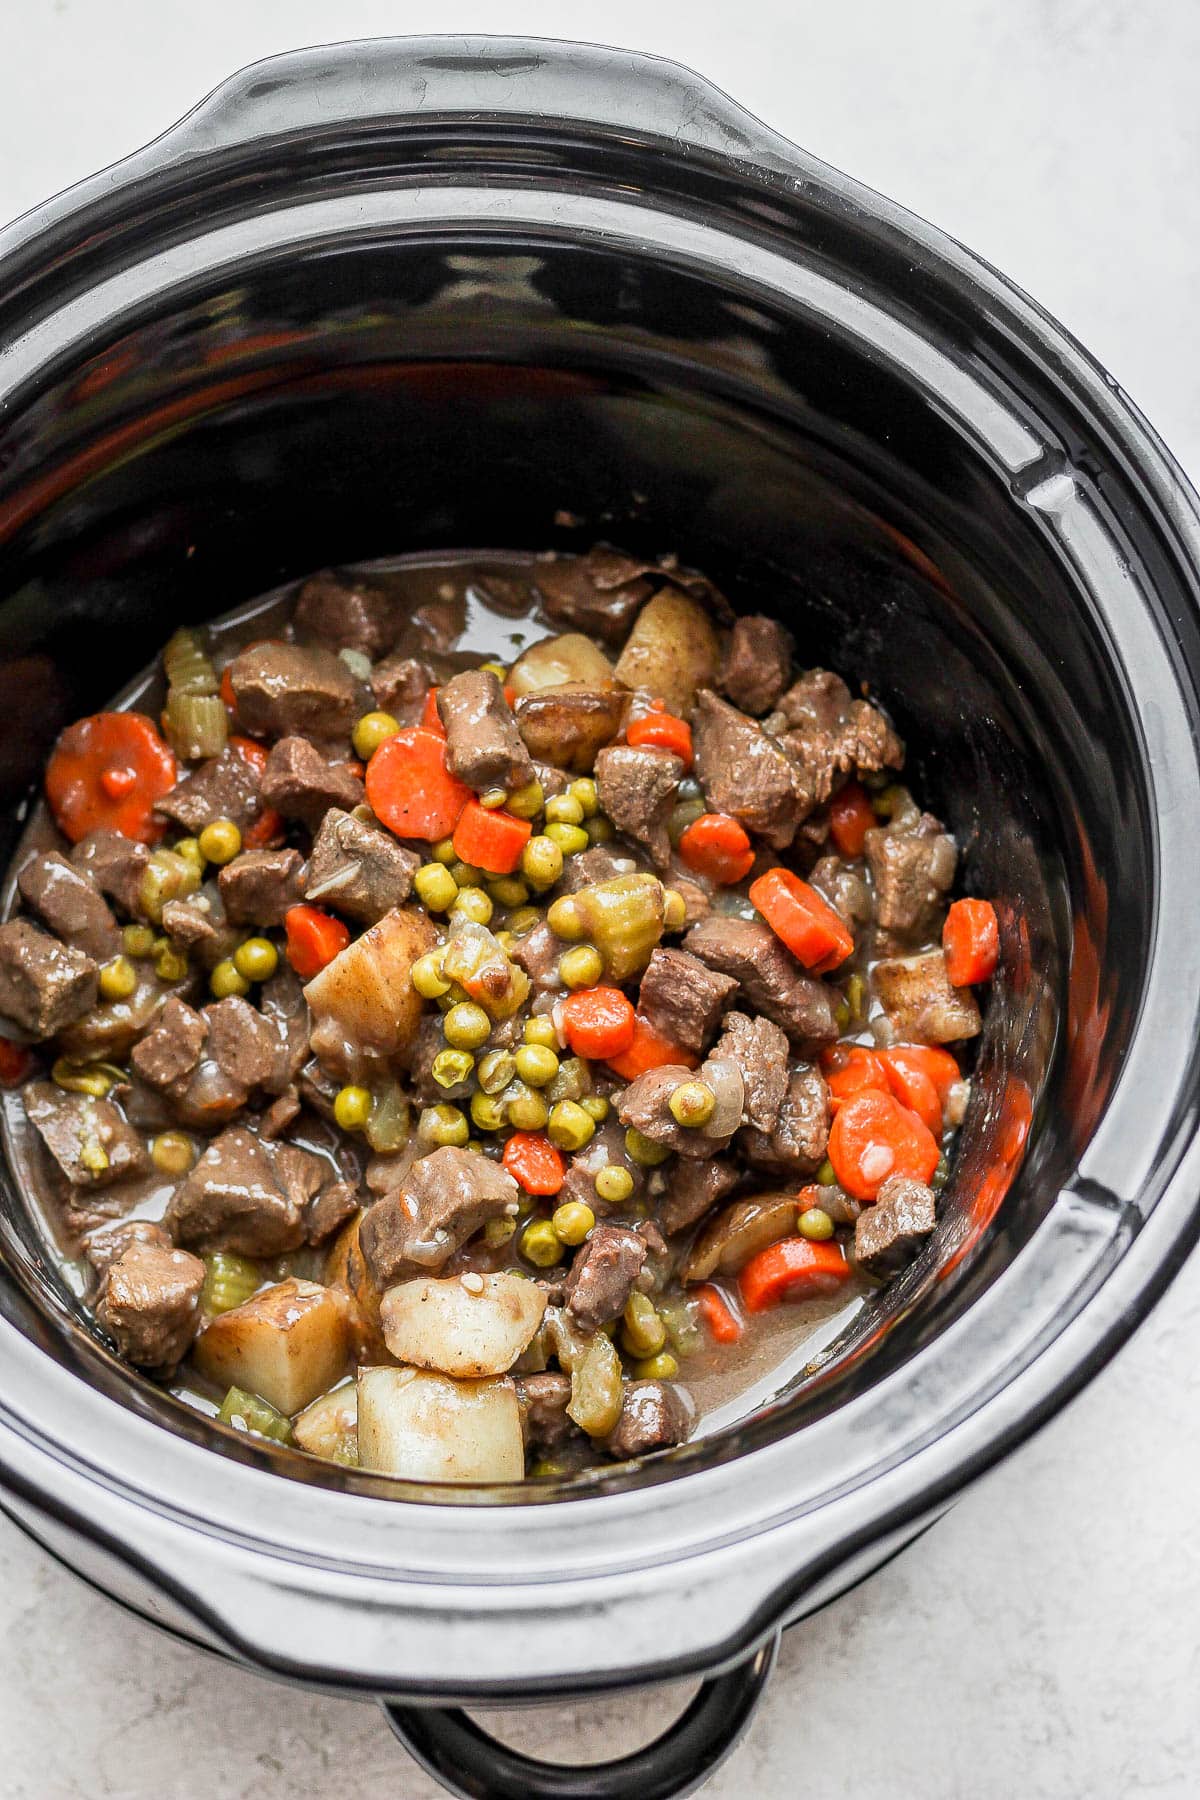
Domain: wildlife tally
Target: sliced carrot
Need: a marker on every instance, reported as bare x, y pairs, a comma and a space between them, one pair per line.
648, 1050
265, 832
491, 839
971, 940
872, 1137
15, 1063
930, 1059
913, 1088
858, 1071
807, 924
662, 731
228, 697
724, 1327
314, 938
411, 789
598, 1023
107, 771
851, 816
431, 718
716, 845
793, 1269
251, 752
534, 1162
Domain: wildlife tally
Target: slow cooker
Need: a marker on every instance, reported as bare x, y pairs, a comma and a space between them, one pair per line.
450, 291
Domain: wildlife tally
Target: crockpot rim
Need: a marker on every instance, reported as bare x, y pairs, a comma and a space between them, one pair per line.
1174, 500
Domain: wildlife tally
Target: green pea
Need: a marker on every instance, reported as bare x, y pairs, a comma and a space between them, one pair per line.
541, 862
489, 1112
172, 1153
256, 959
674, 910
569, 839
172, 965
472, 903
138, 940
523, 920
540, 1244
426, 976
536, 1065
541, 1031
826, 1175
613, 1183
572, 1221
662, 1367
644, 1150
569, 1126
373, 729
450, 1067
600, 830
527, 802
595, 1106
220, 842
352, 1107
815, 1223
507, 891
581, 966
584, 790
527, 1111
564, 809
493, 798
495, 1070
444, 1125
118, 979
498, 1232
466, 1026
226, 980
565, 919
444, 852
692, 1104
435, 886
466, 874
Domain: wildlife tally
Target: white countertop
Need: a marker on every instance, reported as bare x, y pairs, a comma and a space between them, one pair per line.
1044, 1640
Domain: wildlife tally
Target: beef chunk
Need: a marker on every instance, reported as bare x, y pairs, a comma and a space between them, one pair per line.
240, 1042
645, 1105
692, 1189
773, 982
600, 593
399, 685
234, 1200
758, 663
797, 1143
70, 904
279, 1115
538, 953
913, 871
442, 1201
682, 999
171, 1049
654, 1416
745, 772
299, 783
343, 612
107, 1242
259, 886
543, 1401
358, 869
190, 926
299, 1173
44, 986
90, 1140
225, 787
149, 1304
921, 1004
116, 864
483, 746
283, 691
760, 1050
207, 1063
844, 888
889, 1234
603, 1274
830, 735
285, 1010
637, 788
329, 1210
603, 862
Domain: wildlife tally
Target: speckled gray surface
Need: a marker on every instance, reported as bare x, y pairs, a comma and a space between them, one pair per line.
1043, 1640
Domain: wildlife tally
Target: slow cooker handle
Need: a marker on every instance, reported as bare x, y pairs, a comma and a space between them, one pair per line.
475, 1766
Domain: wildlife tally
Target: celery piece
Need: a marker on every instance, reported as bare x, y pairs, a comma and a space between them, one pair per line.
229, 1281
250, 1412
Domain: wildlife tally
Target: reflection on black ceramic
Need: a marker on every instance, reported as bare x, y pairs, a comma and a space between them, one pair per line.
447, 292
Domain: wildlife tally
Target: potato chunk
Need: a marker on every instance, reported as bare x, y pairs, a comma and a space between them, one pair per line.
432, 1428
470, 1325
672, 650
555, 660
329, 1427
288, 1343
364, 1006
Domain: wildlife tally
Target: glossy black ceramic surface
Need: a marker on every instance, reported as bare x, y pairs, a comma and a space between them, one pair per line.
452, 292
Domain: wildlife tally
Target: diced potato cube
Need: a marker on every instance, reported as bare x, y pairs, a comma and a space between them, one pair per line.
329, 1427
433, 1428
553, 661
672, 651
288, 1343
470, 1325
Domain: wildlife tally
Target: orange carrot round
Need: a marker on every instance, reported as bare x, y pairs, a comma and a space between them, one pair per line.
411, 789
913, 1089
794, 1269
724, 1327
662, 731
534, 1163
648, 1049
854, 1069
808, 925
431, 718
314, 938
872, 1137
264, 832
930, 1059
250, 752
108, 770
971, 940
598, 1023
851, 816
490, 838
716, 845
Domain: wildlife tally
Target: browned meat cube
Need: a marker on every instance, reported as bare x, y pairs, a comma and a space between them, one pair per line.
605, 1149
285, 690
91, 1140
768, 974
345, 612
116, 864
259, 886
637, 788
760, 1050
234, 1200
758, 662
796, 1144
225, 787
888, 1235
654, 1416
107, 1242
358, 869
682, 999
299, 783
745, 772
921, 1003
692, 1189
44, 986
329, 1210
830, 735
483, 746
189, 926
149, 1304
70, 905
441, 1202
600, 593
399, 685
543, 1400
913, 870
207, 1063
603, 1274
646, 1107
